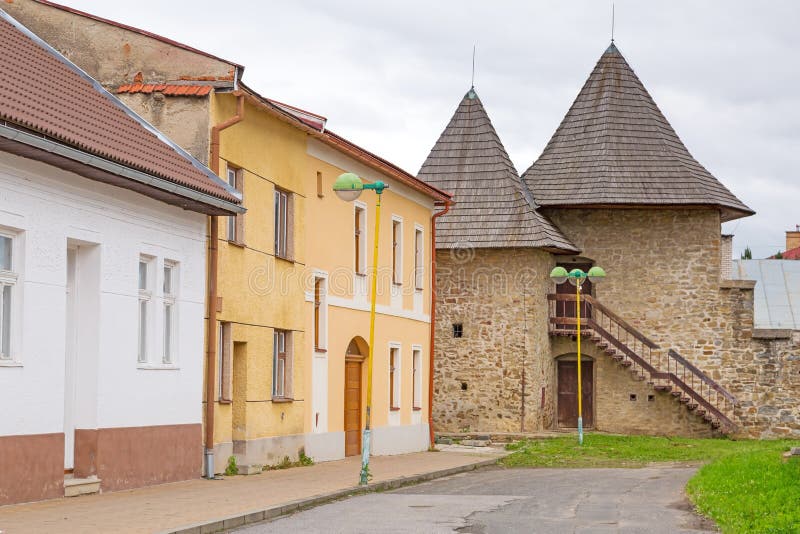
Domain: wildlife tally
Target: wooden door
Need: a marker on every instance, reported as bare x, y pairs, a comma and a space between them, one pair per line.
567, 308
568, 393
352, 408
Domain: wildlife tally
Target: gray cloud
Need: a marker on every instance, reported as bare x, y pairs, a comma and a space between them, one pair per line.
389, 75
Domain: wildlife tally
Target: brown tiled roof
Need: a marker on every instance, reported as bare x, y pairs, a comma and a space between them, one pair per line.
42, 92
491, 208
614, 146
166, 89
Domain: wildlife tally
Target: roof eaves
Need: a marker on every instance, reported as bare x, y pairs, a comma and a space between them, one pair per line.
341, 143
48, 145
139, 31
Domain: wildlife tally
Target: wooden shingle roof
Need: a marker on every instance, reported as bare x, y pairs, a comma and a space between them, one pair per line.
614, 147
491, 207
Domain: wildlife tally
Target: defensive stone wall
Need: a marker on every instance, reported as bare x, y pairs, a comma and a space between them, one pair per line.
498, 296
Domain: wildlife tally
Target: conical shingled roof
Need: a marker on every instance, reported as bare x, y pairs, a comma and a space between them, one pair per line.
491, 208
614, 146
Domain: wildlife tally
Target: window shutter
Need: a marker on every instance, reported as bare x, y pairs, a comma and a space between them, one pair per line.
226, 378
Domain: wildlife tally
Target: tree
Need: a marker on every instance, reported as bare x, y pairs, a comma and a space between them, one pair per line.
747, 254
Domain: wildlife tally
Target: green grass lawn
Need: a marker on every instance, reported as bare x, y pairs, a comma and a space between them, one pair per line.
744, 486
753, 491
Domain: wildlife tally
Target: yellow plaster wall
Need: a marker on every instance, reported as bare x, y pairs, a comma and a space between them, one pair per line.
331, 249
259, 291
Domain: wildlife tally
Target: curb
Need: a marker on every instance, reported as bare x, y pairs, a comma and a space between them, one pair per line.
273, 512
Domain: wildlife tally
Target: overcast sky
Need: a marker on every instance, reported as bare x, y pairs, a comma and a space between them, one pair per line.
389, 75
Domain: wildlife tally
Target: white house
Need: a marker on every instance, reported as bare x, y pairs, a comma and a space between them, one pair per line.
102, 284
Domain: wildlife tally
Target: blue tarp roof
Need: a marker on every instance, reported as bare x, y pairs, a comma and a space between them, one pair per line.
777, 292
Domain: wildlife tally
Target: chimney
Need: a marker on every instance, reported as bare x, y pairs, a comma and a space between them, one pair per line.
793, 238
726, 257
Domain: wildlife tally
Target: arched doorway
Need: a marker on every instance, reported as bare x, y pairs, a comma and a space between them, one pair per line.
357, 352
567, 398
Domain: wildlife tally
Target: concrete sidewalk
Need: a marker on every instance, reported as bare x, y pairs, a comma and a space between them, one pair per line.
216, 504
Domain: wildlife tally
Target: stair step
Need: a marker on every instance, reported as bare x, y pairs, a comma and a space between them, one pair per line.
74, 487
700, 411
715, 424
708, 417
676, 394
663, 388
692, 405
685, 400
626, 363
619, 357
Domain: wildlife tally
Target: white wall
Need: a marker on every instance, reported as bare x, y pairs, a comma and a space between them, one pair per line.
50, 207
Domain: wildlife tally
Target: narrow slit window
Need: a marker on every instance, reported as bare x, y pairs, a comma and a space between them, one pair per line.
458, 330
360, 240
419, 268
170, 311
145, 299
282, 223
397, 252
394, 378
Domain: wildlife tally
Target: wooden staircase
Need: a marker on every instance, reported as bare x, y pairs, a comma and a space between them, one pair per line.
664, 371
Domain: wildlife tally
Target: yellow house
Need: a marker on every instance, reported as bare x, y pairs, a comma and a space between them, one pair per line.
293, 306
339, 244
287, 288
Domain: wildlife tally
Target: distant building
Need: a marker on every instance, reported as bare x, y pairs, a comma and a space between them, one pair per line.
792, 251
102, 284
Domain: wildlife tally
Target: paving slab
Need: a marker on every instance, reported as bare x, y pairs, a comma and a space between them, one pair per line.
212, 505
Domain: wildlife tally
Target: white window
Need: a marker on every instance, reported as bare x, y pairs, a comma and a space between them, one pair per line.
416, 377
419, 258
283, 221
282, 365
8, 280
360, 237
397, 251
145, 299
170, 310
394, 378
235, 228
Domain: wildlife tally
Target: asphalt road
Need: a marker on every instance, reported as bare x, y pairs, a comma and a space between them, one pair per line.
648, 500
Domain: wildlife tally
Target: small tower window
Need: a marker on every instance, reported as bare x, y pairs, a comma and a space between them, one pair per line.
458, 330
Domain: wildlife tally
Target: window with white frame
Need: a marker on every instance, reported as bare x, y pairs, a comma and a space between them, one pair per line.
394, 378
8, 280
145, 300
235, 228
419, 258
416, 377
170, 289
360, 239
397, 251
283, 223
282, 365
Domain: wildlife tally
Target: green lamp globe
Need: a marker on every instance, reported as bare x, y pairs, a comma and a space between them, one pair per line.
596, 274
559, 275
576, 277
348, 186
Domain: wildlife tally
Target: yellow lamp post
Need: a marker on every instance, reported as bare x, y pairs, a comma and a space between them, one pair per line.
349, 187
577, 277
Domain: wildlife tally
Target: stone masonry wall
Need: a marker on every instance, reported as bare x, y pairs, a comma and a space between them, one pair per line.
498, 295
664, 278
624, 405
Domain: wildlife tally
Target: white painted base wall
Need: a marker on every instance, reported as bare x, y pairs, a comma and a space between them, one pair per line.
386, 440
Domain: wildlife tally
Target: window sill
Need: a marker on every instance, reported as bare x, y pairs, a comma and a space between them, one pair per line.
281, 400
237, 244
397, 284
318, 350
163, 367
417, 409
419, 289
284, 258
224, 401
394, 409
10, 363
362, 275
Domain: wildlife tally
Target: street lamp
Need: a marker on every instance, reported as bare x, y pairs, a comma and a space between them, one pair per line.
349, 187
577, 277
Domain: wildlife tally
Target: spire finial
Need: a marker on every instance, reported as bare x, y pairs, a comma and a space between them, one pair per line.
612, 22
472, 85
